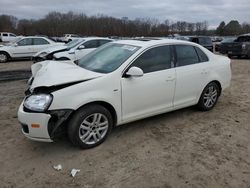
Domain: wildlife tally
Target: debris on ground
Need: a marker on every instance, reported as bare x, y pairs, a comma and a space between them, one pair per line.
58, 167
74, 171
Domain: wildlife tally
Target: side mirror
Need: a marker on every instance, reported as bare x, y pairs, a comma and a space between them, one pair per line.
15, 44
81, 47
134, 72
72, 51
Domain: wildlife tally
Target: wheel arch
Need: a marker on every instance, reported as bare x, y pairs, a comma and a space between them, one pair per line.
2, 51
106, 105
217, 83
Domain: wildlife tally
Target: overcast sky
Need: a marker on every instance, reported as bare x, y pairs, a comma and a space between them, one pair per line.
213, 11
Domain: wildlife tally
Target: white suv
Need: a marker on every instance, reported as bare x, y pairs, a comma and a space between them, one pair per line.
7, 37
25, 47
120, 82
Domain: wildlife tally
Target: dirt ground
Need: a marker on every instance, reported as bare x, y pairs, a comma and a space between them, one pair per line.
185, 148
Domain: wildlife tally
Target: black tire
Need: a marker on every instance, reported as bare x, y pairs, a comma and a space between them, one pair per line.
4, 57
204, 104
75, 130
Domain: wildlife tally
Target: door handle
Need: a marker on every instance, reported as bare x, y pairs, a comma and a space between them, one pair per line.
204, 71
170, 78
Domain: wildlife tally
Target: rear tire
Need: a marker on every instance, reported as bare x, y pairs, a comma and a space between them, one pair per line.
90, 126
209, 97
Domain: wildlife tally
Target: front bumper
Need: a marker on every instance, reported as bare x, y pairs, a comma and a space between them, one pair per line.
49, 123
27, 119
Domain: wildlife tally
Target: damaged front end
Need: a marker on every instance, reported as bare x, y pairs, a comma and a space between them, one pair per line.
58, 118
38, 120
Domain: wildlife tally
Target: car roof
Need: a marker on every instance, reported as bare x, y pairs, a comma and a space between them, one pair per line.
93, 38
244, 35
148, 43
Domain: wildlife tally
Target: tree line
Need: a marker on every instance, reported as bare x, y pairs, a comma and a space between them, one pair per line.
57, 24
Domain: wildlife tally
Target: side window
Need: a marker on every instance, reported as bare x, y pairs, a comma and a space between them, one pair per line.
185, 55
5, 34
40, 41
203, 57
25, 42
91, 44
195, 40
205, 41
155, 59
102, 42
12, 35
241, 39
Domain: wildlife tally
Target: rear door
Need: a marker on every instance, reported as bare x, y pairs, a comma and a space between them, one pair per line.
192, 70
40, 44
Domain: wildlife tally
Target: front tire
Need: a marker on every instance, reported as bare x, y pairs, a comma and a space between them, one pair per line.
3, 57
90, 126
209, 97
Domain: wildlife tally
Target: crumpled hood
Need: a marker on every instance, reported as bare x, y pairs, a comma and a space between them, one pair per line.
57, 47
54, 73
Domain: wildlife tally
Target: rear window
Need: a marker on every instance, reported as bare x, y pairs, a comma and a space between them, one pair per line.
186, 55
243, 39
203, 57
205, 40
40, 41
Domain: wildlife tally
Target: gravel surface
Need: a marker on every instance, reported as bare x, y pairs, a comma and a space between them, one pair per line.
185, 148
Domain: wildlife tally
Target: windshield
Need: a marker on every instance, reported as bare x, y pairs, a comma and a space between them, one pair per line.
73, 43
107, 58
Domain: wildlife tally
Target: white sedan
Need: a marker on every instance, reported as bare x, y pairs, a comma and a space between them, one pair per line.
85, 46
25, 47
118, 83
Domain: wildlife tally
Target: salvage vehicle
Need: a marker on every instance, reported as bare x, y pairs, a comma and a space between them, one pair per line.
240, 47
203, 41
47, 54
120, 82
69, 37
84, 47
222, 46
25, 48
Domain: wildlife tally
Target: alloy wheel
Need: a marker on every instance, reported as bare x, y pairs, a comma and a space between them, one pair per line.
210, 96
93, 128
3, 58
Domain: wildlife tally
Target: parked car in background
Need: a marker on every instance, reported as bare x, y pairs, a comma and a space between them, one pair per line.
25, 48
221, 46
7, 37
148, 77
69, 37
47, 54
203, 41
82, 48
216, 39
240, 47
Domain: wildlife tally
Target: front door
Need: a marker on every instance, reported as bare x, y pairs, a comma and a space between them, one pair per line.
24, 48
153, 92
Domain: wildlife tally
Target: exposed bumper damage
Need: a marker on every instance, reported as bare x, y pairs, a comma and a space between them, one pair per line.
43, 126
